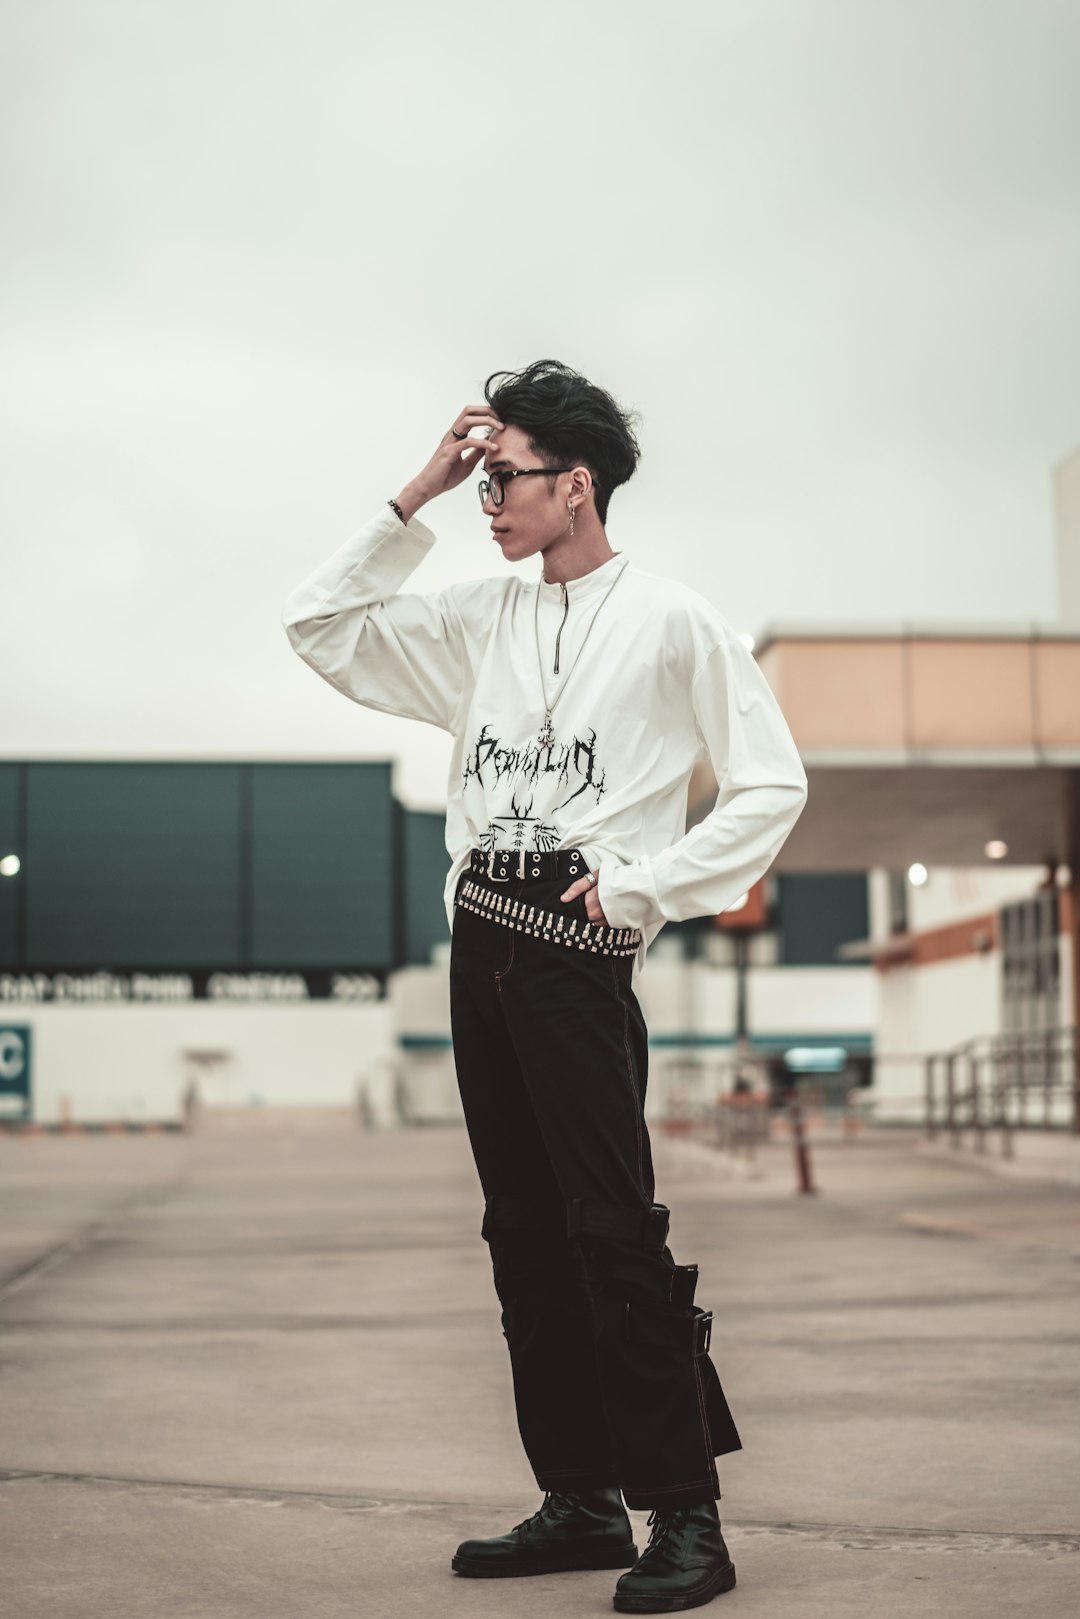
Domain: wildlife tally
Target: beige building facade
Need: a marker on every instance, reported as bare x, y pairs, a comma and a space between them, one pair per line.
950, 750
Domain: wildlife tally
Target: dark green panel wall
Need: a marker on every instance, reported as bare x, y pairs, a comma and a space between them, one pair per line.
818, 912
200, 865
162, 865
133, 864
426, 865
323, 865
11, 842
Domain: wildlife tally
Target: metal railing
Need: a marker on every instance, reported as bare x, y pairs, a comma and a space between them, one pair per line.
1004, 1082
722, 1100
730, 1104
739, 1122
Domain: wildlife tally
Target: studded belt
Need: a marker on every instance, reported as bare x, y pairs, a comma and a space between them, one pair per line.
518, 914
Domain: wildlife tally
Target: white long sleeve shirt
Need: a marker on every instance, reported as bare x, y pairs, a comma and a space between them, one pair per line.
663, 682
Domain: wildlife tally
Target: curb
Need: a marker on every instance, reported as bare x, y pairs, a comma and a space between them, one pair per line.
122, 1127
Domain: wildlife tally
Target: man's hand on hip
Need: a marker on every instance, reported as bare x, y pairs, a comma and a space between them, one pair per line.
587, 885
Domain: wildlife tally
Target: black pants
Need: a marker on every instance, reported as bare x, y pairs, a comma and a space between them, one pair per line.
612, 1381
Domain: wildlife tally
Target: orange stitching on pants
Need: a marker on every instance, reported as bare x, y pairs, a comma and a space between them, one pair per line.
630, 1075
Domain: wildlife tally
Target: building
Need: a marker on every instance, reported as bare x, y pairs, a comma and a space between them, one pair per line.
273, 934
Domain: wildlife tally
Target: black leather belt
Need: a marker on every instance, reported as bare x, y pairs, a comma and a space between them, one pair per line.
503, 864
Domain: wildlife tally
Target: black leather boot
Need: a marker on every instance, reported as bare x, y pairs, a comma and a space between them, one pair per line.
685, 1563
587, 1529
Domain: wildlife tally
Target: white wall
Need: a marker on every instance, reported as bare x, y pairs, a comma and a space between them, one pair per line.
954, 894
813, 1000
925, 1009
932, 1007
1070, 1013
680, 998
878, 900
127, 1062
698, 998
689, 1008
420, 999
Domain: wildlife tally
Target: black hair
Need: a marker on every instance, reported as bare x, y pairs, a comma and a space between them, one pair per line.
569, 420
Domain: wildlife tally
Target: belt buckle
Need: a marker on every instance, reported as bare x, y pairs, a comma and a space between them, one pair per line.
491, 865
702, 1332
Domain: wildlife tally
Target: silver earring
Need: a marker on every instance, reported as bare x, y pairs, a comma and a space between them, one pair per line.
571, 510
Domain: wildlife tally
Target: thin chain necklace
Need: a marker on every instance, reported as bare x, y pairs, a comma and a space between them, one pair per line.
547, 734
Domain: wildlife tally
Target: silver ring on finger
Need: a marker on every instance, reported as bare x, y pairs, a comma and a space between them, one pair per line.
457, 434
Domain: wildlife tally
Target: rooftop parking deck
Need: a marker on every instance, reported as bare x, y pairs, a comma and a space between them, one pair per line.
258, 1371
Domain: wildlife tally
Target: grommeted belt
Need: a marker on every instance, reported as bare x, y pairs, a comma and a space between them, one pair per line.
503, 864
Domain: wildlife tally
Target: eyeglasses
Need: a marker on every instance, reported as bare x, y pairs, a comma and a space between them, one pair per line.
496, 484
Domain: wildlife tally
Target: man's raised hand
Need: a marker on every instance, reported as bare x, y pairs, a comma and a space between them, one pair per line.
461, 448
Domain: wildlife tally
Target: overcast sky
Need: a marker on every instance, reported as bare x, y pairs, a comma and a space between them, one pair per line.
258, 255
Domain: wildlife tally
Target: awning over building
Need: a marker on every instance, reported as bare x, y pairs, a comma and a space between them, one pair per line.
925, 742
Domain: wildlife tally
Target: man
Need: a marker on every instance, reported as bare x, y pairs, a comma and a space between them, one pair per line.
576, 722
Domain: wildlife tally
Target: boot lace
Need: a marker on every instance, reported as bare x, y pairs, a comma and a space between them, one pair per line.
661, 1521
554, 1502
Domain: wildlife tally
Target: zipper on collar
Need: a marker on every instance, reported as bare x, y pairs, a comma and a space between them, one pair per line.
566, 600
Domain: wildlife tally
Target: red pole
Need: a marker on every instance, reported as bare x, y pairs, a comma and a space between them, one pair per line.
802, 1150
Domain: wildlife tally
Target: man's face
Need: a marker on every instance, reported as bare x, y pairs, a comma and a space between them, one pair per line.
530, 518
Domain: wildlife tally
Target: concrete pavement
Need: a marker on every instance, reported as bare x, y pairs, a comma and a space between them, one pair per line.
258, 1371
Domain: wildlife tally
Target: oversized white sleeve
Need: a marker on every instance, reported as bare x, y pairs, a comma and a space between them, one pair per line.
763, 789
397, 652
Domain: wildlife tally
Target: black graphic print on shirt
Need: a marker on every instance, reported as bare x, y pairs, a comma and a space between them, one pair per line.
523, 769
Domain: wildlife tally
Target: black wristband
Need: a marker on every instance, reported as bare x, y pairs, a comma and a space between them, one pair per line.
398, 509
